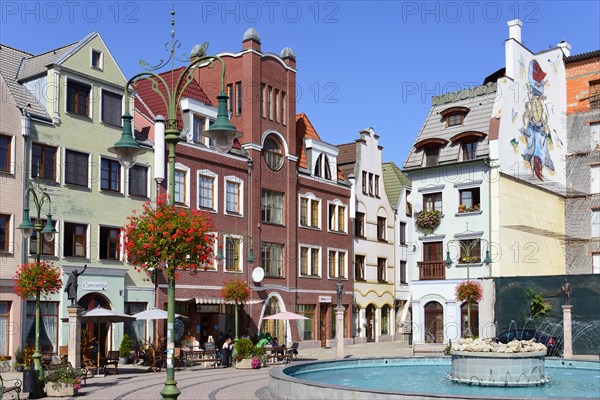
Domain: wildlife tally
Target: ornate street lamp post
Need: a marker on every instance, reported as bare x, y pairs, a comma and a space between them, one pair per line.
221, 131
467, 248
48, 232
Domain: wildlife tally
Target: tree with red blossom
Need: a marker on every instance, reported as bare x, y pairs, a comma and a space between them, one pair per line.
170, 238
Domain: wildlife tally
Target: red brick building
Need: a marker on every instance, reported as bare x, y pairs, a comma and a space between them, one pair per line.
277, 194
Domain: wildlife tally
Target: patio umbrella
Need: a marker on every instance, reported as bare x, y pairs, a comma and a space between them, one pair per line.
155, 313
285, 316
103, 315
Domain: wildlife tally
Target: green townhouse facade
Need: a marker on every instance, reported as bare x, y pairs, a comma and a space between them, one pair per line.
71, 102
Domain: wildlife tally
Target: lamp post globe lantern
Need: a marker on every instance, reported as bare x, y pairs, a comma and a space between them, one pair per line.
127, 149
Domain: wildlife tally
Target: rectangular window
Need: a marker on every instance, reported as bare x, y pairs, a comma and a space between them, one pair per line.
231, 99
5, 232
110, 176
206, 192
198, 127
136, 329
309, 261
364, 182
469, 150
4, 328
304, 212
78, 98
408, 210
263, 100
180, 185
48, 326
359, 224
43, 162
232, 254
75, 240
138, 181
432, 201
370, 184
47, 245
403, 272
596, 223
5, 153
381, 228
381, 269
431, 156
269, 102
595, 180
337, 218
314, 213
277, 105
359, 268
283, 109
595, 263
337, 264
96, 59
109, 243
76, 168
376, 185
232, 204
454, 119
272, 259
433, 251
402, 232
111, 108
595, 94
469, 198
272, 207
238, 98
470, 251
306, 326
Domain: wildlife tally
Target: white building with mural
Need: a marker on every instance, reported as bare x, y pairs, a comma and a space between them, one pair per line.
490, 159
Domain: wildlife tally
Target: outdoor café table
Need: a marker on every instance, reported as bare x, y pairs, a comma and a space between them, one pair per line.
276, 354
192, 357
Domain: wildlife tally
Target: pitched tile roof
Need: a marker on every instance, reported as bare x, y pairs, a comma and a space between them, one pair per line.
153, 102
304, 130
10, 62
347, 158
479, 101
394, 181
37, 65
582, 56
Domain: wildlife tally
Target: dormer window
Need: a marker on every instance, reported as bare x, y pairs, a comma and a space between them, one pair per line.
96, 59
468, 144
454, 115
322, 169
469, 150
431, 150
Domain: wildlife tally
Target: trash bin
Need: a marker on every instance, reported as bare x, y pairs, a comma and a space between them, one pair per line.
29, 377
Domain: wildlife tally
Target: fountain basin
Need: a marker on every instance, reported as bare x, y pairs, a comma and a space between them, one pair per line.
498, 369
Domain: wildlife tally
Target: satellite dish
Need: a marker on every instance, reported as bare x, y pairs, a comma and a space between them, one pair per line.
258, 274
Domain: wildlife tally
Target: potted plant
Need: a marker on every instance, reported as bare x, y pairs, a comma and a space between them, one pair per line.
19, 364
245, 350
124, 350
428, 220
461, 208
64, 381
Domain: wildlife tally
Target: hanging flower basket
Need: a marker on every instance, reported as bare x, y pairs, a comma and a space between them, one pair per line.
469, 291
236, 290
428, 220
37, 278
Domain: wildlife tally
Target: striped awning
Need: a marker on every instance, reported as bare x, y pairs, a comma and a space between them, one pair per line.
214, 300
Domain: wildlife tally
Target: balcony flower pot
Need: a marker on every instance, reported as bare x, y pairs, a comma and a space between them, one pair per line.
428, 220
57, 389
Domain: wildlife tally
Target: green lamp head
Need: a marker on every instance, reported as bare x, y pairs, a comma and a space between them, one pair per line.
222, 131
487, 259
250, 256
448, 260
26, 226
49, 230
127, 148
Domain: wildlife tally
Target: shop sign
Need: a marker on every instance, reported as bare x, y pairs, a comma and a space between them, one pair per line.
324, 299
207, 308
91, 285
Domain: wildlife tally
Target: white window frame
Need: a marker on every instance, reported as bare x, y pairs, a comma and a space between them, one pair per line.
310, 197
215, 189
63, 156
595, 179
101, 62
337, 256
121, 175
148, 188
92, 100
337, 203
240, 183
310, 266
186, 170
102, 90
87, 239
595, 219
595, 263
240, 239
120, 255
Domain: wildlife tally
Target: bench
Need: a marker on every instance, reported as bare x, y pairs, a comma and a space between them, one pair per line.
192, 358
7, 387
278, 354
112, 360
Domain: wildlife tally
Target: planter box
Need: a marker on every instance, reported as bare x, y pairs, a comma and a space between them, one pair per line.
60, 390
244, 364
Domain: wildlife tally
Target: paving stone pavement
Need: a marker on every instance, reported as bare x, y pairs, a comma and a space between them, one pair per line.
215, 384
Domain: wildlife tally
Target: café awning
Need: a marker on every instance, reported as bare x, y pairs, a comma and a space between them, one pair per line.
214, 300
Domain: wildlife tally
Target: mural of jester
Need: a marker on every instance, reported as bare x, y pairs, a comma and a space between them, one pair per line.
535, 124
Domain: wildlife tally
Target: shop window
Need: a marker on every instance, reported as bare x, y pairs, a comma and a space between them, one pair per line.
48, 326
306, 327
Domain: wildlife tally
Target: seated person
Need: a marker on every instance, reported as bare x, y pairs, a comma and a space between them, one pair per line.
274, 342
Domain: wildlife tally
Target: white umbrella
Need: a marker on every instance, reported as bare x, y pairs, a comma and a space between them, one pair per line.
155, 313
286, 316
103, 315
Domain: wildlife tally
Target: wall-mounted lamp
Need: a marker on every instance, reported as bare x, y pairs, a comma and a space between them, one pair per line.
121, 292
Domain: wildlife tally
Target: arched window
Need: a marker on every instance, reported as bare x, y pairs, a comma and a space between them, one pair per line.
276, 328
474, 318
322, 168
273, 153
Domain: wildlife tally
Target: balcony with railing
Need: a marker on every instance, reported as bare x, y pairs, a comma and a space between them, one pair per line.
430, 270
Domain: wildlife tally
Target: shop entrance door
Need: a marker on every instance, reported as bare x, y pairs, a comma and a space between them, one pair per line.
324, 323
97, 331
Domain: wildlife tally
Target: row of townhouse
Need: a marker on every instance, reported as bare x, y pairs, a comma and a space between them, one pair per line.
512, 166
289, 217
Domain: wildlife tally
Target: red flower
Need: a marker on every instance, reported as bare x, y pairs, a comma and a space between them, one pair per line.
469, 291
236, 290
35, 278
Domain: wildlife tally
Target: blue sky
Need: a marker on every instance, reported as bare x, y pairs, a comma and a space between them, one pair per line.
360, 64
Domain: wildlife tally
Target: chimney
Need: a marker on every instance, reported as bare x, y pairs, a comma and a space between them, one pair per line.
514, 29
565, 47
251, 40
